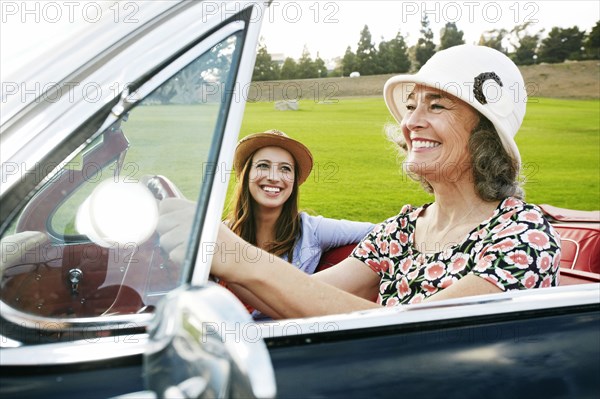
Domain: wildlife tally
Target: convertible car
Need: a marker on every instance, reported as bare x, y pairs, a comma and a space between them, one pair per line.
96, 130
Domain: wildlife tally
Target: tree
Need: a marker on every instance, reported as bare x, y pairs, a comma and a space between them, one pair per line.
383, 62
337, 71
348, 62
525, 45
264, 67
526, 53
289, 69
400, 55
392, 56
592, 43
321, 67
450, 36
366, 53
493, 38
306, 66
425, 47
562, 44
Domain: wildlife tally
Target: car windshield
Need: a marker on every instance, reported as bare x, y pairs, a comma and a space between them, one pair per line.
85, 244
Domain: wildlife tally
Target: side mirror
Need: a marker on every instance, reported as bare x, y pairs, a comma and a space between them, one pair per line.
203, 344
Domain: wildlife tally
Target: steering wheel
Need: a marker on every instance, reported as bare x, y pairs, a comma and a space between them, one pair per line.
153, 271
161, 187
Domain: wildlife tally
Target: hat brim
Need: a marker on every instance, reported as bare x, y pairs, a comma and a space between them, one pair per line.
250, 144
397, 89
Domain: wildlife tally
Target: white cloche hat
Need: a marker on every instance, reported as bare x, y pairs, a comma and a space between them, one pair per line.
483, 77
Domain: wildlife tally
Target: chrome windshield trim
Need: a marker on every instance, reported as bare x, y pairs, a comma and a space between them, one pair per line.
484, 305
218, 191
111, 322
189, 56
79, 42
6, 342
28, 135
81, 351
114, 322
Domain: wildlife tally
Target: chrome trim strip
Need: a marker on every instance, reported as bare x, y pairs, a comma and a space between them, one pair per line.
120, 346
576, 251
189, 56
82, 351
484, 305
114, 322
137, 395
142, 51
230, 137
6, 342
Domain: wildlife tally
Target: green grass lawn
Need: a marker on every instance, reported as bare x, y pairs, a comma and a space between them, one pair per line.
356, 174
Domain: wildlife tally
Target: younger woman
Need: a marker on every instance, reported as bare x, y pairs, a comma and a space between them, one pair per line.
269, 167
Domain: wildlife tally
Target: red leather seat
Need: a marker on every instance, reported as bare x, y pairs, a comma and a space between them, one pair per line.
580, 237
334, 256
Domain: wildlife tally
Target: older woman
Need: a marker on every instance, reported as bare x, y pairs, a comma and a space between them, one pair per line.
458, 116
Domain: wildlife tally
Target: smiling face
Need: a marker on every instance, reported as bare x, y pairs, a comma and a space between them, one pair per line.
437, 127
271, 178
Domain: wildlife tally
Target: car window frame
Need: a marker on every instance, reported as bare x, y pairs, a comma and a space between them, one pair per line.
79, 329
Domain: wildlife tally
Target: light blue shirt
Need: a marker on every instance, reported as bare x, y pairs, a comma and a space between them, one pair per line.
319, 234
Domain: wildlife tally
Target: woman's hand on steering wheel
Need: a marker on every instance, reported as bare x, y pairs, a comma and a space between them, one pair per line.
175, 220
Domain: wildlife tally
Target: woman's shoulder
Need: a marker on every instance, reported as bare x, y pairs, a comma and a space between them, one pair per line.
306, 218
407, 216
408, 211
512, 203
518, 209
404, 211
319, 221
311, 223
514, 215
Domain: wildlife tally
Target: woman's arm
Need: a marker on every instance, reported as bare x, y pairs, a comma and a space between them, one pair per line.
248, 297
288, 291
353, 276
469, 285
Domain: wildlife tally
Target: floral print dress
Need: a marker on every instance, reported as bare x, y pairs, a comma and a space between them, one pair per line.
514, 249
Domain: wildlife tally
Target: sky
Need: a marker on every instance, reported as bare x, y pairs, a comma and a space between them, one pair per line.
325, 27
329, 27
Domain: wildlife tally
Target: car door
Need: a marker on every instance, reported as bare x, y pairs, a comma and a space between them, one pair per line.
130, 110
536, 343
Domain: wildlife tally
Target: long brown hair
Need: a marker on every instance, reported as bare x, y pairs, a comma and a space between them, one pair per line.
241, 217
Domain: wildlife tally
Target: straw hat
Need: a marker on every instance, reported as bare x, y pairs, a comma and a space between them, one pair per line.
252, 143
482, 77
